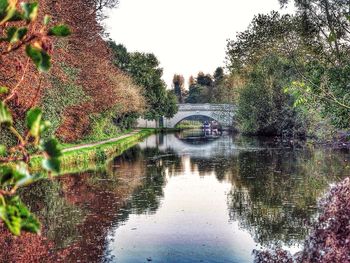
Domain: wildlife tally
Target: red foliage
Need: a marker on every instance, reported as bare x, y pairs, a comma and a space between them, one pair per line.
329, 241
104, 85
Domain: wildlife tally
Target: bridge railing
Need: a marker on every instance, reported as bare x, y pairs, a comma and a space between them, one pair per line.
206, 107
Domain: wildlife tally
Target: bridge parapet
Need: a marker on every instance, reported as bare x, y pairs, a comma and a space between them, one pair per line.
206, 107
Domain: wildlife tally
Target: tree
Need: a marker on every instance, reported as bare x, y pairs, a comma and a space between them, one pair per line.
325, 79
218, 75
121, 55
217, 90
145, 71
291, 39
100, 5
204, 80
179, 87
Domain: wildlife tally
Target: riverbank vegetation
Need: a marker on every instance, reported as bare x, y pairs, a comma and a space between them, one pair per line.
288, 74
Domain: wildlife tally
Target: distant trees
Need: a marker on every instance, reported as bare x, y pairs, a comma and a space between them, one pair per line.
145, 71
206, 88
179, 87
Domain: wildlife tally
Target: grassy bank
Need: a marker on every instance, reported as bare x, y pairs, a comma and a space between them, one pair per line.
90, 158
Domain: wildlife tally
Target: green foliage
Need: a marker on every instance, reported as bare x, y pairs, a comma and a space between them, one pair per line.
5, 115
145, 71
30, 11
17, 217
319, 61
4, 90
39, 57
3, 150
263, 107
7, 10
209, 89
103, 127
34, 122
189, 124
15, 34
62, 94
59, 31
196, 94
327, 90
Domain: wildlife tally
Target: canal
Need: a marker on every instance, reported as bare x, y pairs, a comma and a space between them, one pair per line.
184, 197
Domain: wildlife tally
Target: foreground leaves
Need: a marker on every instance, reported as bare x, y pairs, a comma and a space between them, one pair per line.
39, 57
17, 217
5, 115
14, 161
51, 163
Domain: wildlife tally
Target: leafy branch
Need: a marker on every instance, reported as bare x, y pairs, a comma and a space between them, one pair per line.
14, 161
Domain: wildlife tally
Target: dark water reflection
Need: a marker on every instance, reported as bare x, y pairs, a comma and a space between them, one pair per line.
182, 198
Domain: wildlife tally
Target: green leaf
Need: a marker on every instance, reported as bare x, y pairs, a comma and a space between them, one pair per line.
33, 121
39, 57
51, 148
59, 31
47, 19
17, 16
6, 174
3, 150
5, 115
30, 10
3, 90
7, 10
22, 176
52, 164
15, 34
3, 6
17, 217
9, 214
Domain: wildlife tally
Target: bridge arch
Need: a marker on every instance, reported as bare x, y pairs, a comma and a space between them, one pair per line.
181, 117
222, 113
200, 116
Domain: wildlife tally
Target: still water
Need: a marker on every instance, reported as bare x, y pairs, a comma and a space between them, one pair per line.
185, 198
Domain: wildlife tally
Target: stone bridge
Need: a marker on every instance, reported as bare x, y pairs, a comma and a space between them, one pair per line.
222, 113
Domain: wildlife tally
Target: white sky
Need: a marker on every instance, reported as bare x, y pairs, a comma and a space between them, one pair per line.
187, 36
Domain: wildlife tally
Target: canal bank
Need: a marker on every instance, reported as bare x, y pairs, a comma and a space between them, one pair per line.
89, 156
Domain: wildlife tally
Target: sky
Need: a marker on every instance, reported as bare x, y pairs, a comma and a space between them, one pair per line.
187, 36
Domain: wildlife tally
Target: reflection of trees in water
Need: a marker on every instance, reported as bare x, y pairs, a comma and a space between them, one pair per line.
276, 192
146, 198
58, 217
77, 211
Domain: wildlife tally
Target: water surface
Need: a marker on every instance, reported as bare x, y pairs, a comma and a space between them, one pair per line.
186, 198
